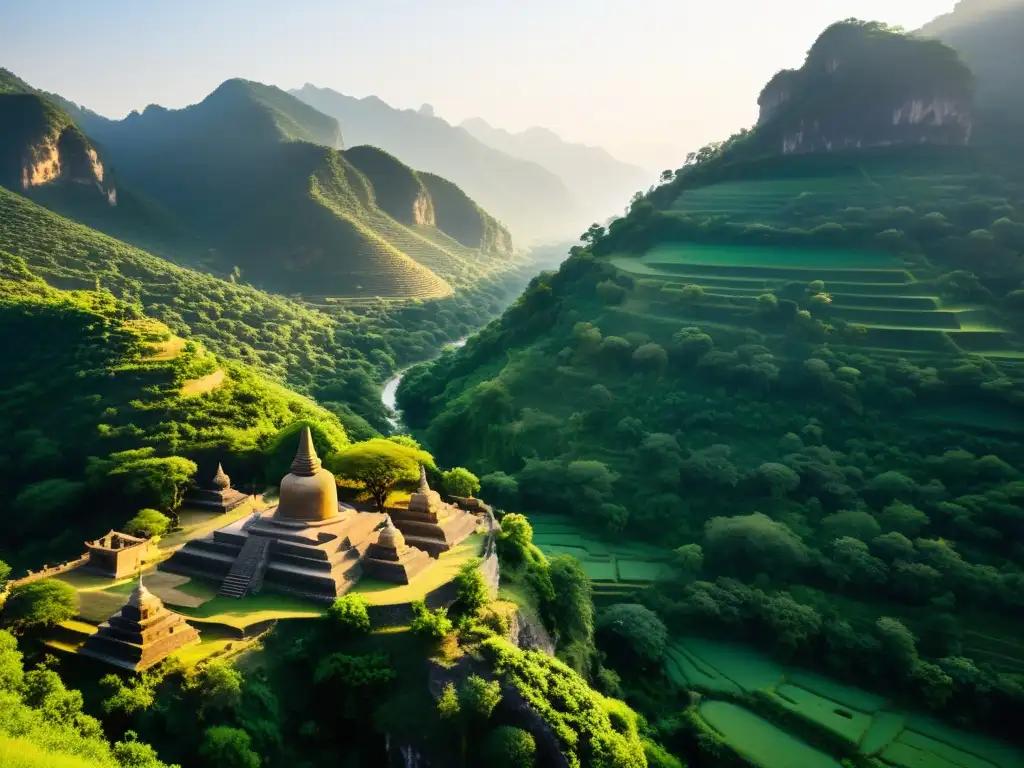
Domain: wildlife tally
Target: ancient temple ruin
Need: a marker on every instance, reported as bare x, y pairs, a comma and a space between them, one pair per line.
218, 496
116, 554
309, 545
430, 524
140, 634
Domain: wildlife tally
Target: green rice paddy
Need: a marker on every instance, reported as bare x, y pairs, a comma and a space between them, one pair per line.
860, 718
760, 741
875, 291
616, 569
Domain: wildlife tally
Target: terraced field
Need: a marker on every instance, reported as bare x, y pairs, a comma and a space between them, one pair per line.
895, 309
802, 200
617, 569
861, 719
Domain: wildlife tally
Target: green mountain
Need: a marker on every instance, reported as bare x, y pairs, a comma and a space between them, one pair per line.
864, 84
258, 176
785, 388
988, 34
596, 180
531, 200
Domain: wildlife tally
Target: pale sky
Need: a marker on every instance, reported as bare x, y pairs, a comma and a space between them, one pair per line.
649, 80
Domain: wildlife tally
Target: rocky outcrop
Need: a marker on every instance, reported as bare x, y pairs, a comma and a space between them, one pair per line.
865, 85
41, 147
530, 635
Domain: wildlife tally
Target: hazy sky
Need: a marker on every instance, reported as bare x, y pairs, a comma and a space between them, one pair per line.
648, 79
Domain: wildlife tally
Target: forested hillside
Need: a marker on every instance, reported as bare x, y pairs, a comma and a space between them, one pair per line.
102, 409
531, 201
257, 178
796, 373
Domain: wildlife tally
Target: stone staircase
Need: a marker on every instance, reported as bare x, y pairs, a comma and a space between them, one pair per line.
246, 574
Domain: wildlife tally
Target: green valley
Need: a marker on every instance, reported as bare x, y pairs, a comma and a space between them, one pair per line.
776, 404
305, 463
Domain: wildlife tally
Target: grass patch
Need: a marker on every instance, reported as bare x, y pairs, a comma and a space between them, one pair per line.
244, 612
885, 727
696, 676
22, 753
777, 256
440, 572
759, 741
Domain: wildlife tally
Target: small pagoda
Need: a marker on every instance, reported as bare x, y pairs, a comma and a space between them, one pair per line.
218, 496
430, 524
391, 559
142, 633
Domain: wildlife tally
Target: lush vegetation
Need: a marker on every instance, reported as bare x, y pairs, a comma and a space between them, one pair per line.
807, 404
44, 724
118, 443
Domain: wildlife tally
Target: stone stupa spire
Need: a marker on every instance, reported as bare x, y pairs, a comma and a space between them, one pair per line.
424, 487
220, 478
306, 463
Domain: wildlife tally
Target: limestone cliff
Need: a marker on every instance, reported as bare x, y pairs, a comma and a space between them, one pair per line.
41, 146
863, 85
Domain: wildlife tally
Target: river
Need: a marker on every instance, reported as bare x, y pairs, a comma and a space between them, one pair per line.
390, 393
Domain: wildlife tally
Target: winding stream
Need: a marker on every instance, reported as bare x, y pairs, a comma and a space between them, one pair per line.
390, 393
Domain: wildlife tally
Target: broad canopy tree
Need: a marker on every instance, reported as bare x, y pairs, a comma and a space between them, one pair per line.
379, 465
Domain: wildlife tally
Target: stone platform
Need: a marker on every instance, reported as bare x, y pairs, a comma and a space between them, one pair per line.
317, 560
424, 530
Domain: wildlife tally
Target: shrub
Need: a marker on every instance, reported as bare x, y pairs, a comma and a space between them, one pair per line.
479, 697
610, 292
227, 747
509, 747
40, 603
500, 489
432, 625
349, 614
459, 481
471, 592
148, 523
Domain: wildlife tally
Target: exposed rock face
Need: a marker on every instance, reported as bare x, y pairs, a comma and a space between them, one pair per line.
865, 85
530, 635
41, 147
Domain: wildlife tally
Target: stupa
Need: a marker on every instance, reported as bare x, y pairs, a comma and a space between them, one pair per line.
430, 524
219, 496
391, 559
140, 634
309, 545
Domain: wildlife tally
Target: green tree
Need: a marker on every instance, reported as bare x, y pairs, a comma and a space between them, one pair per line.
40, 603
749, 544
849, 522
432, 625
148, 523
227, 747
471, 591
379, 465
348, 613
448, 707
219, 686
500, 489
903, 518
690, 560
5, 574
479, 697
459, 481
160, 482
509, 747
636, 629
